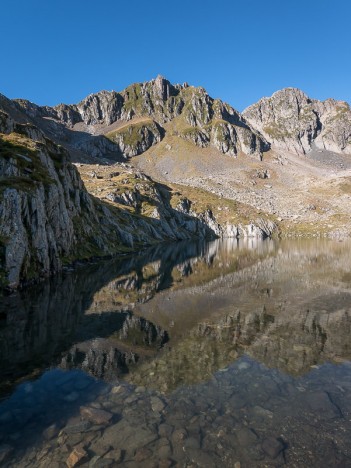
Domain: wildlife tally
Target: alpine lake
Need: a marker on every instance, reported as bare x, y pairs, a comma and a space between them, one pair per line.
227, 353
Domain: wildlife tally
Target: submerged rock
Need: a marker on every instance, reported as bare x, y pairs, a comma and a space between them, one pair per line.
272, 447
77, 456
95, 415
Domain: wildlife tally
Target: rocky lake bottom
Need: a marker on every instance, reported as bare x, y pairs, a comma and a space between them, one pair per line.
227, 353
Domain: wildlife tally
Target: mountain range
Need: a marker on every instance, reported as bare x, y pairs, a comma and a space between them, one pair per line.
156, 162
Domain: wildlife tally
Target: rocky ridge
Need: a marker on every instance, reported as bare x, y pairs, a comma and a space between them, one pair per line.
97, 125
292, 121
125, 187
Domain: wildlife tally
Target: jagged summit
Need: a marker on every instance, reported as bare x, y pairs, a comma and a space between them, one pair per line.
292, 121
127, 123
290, 90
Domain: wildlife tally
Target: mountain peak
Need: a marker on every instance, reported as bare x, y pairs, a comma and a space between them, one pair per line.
160, 78
292, 121
290, 91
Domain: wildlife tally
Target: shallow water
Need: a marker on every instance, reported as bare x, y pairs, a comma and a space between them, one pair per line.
225, 353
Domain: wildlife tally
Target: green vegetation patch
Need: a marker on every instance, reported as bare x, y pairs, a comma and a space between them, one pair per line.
133, 98
24, 155
342, 113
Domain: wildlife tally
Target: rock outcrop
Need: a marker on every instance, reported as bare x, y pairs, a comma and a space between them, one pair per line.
259, 228
124, 124
42, 205
291, 121
136, 138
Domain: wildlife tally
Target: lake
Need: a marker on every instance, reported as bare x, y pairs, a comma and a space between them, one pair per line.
197, 354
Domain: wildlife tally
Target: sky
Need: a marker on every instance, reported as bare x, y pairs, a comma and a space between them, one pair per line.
62, 50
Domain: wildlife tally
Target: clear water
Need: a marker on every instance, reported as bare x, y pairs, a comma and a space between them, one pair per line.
225, 353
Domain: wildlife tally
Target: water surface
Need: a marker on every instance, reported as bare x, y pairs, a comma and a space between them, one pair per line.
225, 353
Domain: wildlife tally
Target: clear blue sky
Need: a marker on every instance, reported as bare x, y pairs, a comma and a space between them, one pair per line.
56, 51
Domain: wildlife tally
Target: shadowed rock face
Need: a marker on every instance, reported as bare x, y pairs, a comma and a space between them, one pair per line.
291, 121
48, 217
109, 359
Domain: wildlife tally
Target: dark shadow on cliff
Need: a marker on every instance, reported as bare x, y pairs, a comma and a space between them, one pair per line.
166, 223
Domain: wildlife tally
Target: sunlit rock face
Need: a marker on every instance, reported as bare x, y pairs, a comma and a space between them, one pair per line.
292, 121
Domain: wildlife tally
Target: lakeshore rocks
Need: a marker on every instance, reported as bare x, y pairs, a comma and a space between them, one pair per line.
272, 447
5, 452
212, 438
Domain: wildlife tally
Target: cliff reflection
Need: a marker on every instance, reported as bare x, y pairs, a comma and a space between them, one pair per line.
39, 325
182, 311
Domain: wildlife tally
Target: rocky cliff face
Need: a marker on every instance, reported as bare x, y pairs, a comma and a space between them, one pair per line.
260, 228
41, 200
136, 138
292, 121
140, 116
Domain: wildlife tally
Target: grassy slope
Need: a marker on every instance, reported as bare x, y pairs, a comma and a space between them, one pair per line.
225, 210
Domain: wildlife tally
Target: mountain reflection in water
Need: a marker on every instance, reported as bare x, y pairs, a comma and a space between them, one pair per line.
246, 339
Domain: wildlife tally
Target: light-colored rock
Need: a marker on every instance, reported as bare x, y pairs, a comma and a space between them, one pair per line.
126, 436
77, 456
51, 431
157, 404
